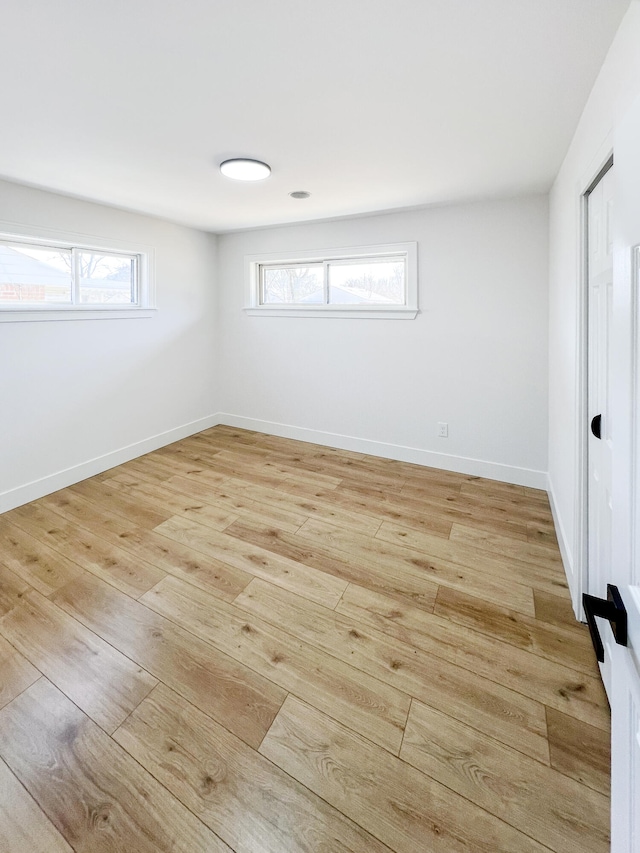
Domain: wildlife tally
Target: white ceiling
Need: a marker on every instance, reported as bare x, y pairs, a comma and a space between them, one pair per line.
367, 104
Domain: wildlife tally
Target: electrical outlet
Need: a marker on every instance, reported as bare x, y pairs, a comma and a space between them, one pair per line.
443, 430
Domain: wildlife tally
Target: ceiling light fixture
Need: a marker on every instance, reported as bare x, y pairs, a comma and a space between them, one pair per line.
300, 194
241, 169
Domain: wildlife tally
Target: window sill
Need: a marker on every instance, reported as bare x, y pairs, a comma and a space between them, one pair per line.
335, 312
35, 315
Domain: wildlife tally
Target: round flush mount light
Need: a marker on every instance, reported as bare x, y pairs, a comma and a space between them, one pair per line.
241, 169
300, 194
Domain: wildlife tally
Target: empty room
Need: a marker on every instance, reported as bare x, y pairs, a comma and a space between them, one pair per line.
319, 447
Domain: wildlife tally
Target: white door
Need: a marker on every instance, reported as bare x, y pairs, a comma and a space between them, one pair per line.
599, 444
625, 728
624, 403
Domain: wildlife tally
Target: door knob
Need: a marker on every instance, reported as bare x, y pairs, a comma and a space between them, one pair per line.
611, 608
596, 424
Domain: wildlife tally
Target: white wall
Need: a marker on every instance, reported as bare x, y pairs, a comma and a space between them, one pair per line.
74, 395
475, 357
617, 86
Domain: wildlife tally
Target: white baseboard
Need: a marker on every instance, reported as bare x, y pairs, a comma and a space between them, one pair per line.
474, 467
459, 464
45, 486
566, 552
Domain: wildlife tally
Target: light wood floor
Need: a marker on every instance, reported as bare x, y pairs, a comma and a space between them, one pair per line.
246, 643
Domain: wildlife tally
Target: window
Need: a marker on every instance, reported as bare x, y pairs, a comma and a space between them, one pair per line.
51, 279
373, 281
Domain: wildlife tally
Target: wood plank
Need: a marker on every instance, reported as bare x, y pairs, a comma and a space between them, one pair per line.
97, 555
334, 470
297, 445
494, 509
209, 487
303, 453
308, 479
239, 435
494, 516
248, 471
542, 534
546, 574
298, 473
134, 468
361, 702
234, 503
389, 798
321, 477
100, 680
313, 584
491, 488
243, 701
182, 458
353, 487
189, 452
406, 471
158, 469
248, 801
306, 507
347, 472
580, 751
316, 458
12, 588
414, 470
16, 673
77, 510
564, 646
23, 825
96, 795
105, 496
216, 442
204, 572
398, 560
500, 713
297, 450
513, 513
519, 507
160, 495
432, 519
540, 556
41, 566
403, 587
553, 809
539, 496
553, 684
556, 610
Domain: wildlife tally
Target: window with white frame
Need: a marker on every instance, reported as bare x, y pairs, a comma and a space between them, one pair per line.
370, 281
40, 276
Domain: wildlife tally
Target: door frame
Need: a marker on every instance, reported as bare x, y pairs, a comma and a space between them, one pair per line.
635, 418
581, 561
634, 462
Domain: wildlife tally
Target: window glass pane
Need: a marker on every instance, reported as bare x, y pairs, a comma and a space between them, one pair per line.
107, 279
34, 276
367, 283
293, 285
